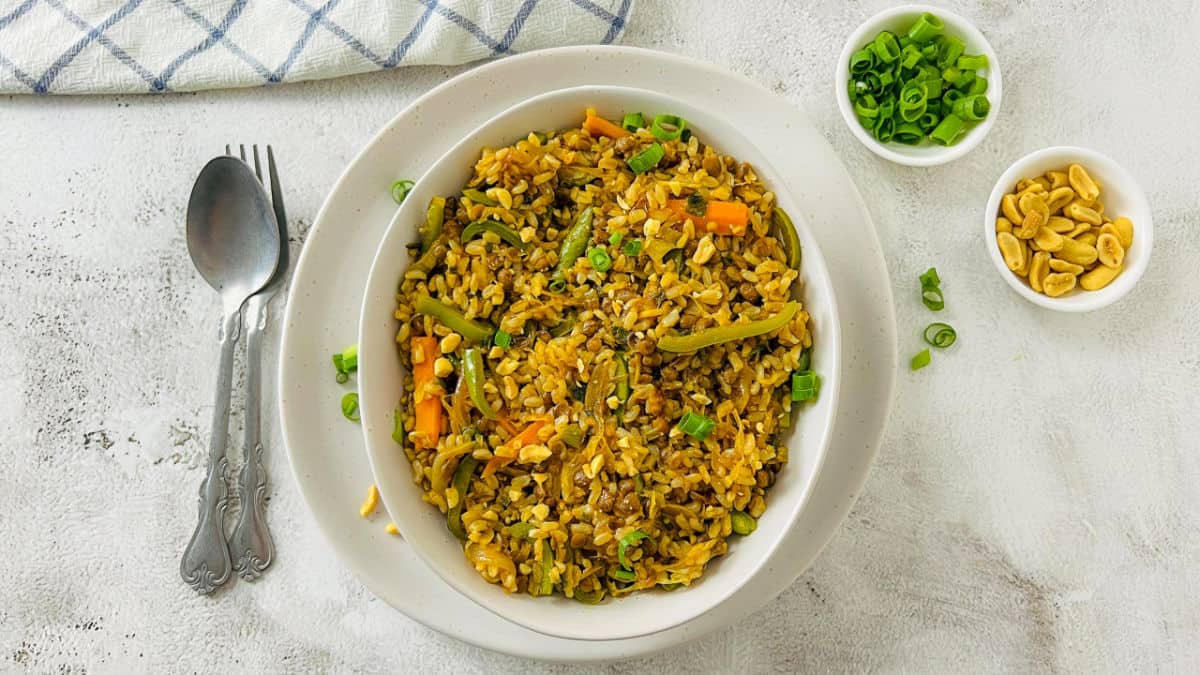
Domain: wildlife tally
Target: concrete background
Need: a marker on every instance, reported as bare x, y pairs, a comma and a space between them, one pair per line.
1033, 508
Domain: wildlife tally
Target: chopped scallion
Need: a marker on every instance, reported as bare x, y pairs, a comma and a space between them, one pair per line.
633, 121
667, 127
805, 385
502, 339
397, 427
615, 238
623, 575
632, 248
695, 425
646, 159
627, 541
600, 259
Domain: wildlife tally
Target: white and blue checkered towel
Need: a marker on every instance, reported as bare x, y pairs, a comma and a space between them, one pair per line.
149, 46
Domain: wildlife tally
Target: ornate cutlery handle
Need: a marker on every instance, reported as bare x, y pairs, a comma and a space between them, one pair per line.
205, 564
250, 544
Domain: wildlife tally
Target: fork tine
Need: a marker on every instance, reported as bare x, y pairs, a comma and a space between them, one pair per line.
242, 151
228, 150
276, 194
257, 166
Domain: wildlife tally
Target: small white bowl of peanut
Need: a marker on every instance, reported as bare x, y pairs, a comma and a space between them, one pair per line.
1069, 229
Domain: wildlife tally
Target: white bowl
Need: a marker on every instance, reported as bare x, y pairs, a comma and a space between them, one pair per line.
898, 20
380, 379
1121, 196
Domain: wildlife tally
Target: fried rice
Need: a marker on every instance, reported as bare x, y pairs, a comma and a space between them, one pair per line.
548, 426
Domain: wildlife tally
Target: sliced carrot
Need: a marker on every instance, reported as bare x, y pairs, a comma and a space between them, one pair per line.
729, 218
428, 405
598, 126
507, 424
527, 436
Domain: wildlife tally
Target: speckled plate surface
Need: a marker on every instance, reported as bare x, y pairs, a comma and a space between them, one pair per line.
325, 451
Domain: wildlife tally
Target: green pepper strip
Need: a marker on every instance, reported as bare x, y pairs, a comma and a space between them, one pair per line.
479, 197
506, 233
476, 331
741, 331
572, 247
622, 377
435, 217
473, 371
546, 566
431, 258
520, 530
786, 232
461, 483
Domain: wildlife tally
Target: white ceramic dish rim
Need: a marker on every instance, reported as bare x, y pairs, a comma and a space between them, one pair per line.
926, 154
335, 259
1117, 185
634, 616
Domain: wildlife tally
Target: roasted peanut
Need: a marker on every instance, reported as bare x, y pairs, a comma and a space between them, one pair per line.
1041, 180
1032, 188
1059, 198
1060, 225
1075, 252
1048, 240
1088, 238
1098, 207
1008, 206
1109, 251
1099, 278
1064, 266
1003, 225
1057, 179
1082, 183
1085, 214
1012, 250
1022, 184
1080, 228
1036, 214
1124, 231
1038, 269
1109, 228
1023, 271
1058, 283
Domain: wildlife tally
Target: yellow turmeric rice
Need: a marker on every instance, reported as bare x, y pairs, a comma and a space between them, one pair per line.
603, 335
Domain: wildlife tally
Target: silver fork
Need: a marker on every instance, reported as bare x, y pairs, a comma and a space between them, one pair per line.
250, 544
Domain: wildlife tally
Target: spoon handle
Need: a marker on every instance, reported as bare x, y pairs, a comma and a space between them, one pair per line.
205, 564
250, 544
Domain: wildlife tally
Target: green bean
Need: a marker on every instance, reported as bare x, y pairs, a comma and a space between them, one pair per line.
506, 233
743, 523
520, 530
435, 218
473, 372
577, 176
476, 331
741, 331
479, 197
573, 246
462, 484
786, 231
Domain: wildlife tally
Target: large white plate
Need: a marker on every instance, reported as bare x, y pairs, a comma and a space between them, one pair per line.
332, 271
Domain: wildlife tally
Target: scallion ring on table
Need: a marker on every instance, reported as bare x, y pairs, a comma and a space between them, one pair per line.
646, 159
350, 407
920, 360
940, 335
932, 298
667, 127
400, 190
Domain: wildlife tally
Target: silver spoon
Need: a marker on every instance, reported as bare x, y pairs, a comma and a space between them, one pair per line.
233, 239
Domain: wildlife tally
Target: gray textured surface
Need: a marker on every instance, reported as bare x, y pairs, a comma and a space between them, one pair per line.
1033, 508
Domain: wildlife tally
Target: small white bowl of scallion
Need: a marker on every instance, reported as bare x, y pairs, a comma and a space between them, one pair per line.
918, 85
